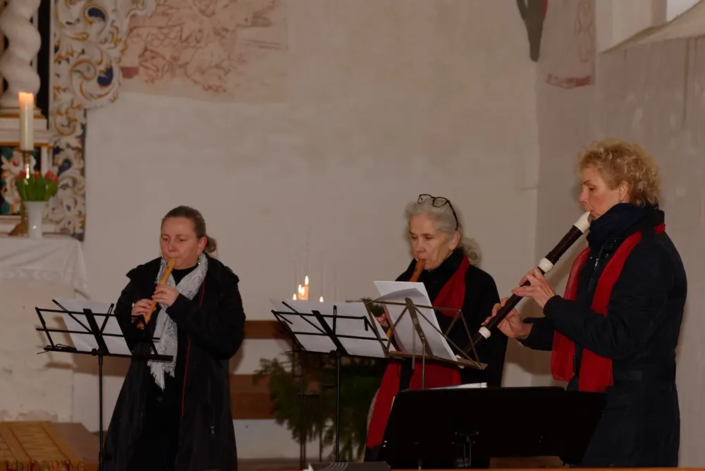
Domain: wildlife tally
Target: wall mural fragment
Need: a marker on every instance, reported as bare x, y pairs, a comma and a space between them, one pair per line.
569, 44
230, 49
89, 38
224, 50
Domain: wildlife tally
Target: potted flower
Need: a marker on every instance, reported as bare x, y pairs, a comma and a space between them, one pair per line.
35, 191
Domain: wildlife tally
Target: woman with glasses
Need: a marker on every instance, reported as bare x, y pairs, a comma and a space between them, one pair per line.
453, 281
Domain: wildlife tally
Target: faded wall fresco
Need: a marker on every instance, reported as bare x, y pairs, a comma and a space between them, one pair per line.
224, 50
570, 36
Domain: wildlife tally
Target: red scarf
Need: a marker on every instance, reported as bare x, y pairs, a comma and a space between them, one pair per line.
595, 371
451, 296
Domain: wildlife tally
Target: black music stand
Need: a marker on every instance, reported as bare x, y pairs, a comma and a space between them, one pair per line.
94, 336
447, 427
316, 326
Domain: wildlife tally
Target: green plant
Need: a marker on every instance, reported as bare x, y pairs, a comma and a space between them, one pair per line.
306, 403
36, 187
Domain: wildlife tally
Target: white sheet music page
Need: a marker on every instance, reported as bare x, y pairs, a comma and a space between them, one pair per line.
397, 292
368, 345
79, 323
319, 342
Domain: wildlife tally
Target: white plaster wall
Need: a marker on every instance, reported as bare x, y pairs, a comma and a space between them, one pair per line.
386, 99
653, 95
32, 386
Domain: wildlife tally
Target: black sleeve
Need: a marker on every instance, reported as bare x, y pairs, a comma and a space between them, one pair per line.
541, 335
123, 313
483, 297
219, 330
636, 308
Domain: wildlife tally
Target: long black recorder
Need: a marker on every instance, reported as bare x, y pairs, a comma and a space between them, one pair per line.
545, 265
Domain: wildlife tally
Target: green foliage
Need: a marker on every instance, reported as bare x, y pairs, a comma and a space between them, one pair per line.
312, 413
301, 413
36, 187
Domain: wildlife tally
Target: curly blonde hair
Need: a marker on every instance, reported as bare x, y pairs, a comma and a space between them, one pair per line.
622, 162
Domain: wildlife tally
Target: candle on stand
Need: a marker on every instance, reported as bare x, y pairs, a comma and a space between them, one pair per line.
26, 101
303, 291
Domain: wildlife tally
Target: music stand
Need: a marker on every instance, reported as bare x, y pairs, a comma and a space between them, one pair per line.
349, 331
94, 337
423, 328
448, 426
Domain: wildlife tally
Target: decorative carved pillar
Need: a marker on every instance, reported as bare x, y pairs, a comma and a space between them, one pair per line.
24, 44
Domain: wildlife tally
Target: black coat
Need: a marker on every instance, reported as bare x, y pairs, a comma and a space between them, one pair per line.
209, 336
640, 424
480, 296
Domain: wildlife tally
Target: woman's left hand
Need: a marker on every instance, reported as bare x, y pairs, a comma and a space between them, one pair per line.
539, 290
165, 295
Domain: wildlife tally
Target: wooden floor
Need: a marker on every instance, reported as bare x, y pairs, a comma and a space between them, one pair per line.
85, 445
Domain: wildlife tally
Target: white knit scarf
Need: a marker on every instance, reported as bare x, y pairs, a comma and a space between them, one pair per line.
166, 327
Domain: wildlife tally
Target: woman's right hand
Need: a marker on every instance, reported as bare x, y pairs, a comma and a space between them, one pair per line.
511, 325
383, 320
141, 308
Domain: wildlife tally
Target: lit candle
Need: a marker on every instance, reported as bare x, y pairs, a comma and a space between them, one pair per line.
26, 121
305, 293
321, 300
294, 296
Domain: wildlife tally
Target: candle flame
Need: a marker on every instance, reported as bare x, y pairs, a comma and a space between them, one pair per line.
306, 280
25, 98
321, 300
294, 297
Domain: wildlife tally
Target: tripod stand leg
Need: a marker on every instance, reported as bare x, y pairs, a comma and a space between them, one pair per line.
100, 412
337, 407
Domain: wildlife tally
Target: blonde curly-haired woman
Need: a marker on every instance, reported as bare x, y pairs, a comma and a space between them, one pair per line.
616, 328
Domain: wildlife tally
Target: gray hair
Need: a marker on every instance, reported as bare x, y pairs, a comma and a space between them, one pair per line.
444, 221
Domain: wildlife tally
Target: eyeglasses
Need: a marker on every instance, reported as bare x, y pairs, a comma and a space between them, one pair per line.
439, 202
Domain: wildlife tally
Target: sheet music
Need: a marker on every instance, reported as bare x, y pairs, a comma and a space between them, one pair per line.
79, 323
404, 331
307, 325
368, 346
356, 328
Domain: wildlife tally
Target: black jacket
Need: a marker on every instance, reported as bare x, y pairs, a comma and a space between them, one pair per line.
640, 423
480, 296
209, 336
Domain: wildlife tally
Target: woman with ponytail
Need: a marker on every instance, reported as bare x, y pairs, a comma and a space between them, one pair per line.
176, 415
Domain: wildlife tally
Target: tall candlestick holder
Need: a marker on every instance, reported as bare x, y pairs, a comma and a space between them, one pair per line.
21, 228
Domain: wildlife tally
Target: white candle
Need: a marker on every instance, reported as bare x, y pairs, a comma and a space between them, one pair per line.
26, 121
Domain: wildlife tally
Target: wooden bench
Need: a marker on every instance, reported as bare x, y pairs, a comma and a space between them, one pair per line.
33, 446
